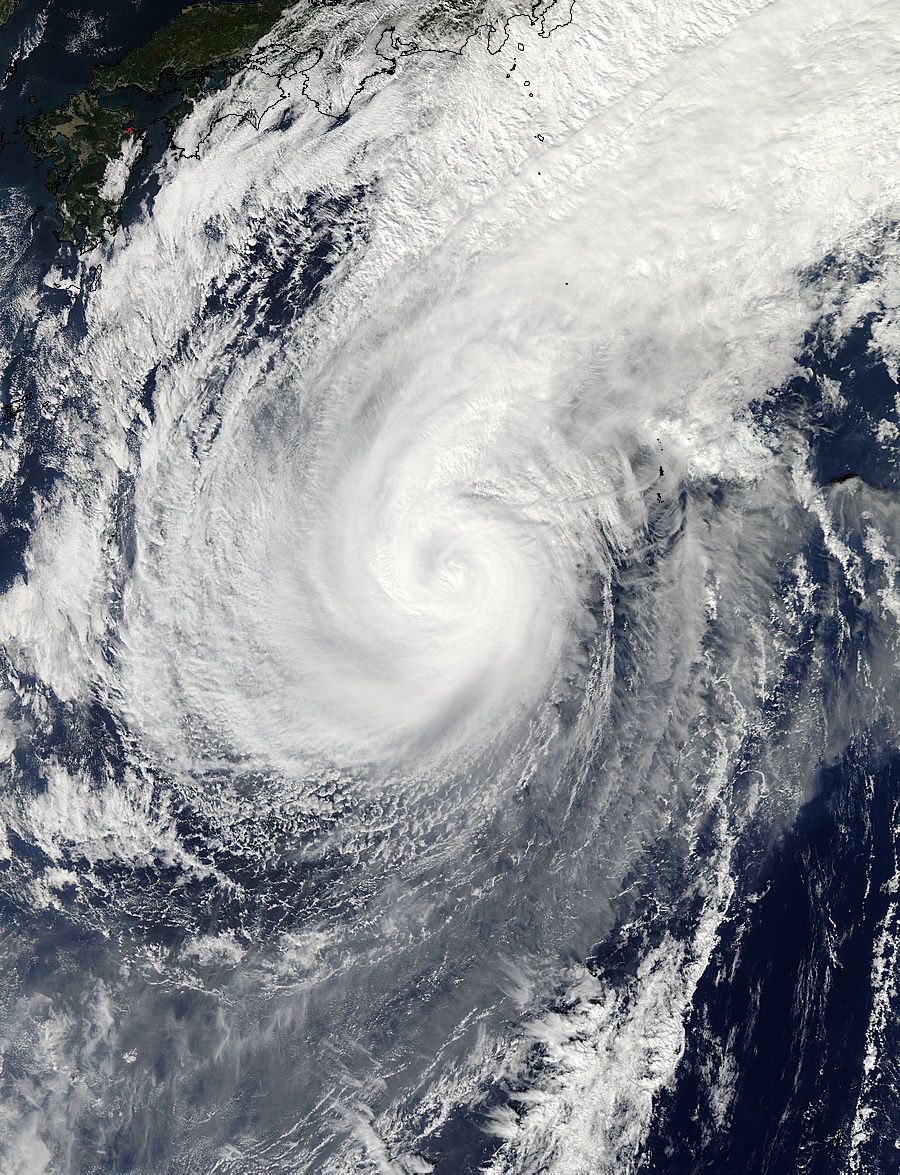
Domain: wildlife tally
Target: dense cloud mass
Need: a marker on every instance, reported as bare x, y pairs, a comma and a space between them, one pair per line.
441, 603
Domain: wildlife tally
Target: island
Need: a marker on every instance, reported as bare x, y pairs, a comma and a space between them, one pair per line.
91, 143
87, 139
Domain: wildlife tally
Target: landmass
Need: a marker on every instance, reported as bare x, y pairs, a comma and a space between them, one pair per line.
93, 141
80, 139
7, 8
201, 36
87, 135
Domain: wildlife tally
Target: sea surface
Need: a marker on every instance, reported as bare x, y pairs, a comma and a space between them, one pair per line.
449, 604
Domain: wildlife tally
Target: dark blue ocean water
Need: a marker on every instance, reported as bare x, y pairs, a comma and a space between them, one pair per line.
57, 68
787, 994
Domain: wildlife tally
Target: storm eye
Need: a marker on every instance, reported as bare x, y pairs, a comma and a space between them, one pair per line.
449, 603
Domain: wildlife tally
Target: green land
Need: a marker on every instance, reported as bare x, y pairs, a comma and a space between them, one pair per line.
80, 137
7, 8
156, 82
201, 36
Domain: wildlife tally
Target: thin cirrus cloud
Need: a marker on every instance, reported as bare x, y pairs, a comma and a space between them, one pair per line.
377, 529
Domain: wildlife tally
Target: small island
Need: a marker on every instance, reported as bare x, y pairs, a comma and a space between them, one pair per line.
94, 140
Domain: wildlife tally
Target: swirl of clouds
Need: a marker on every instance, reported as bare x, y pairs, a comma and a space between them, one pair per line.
409, 649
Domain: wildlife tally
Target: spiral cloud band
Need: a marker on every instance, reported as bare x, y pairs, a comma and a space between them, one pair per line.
434, 540
382, 579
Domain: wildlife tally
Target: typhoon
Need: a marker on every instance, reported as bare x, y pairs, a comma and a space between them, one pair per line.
449, 609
